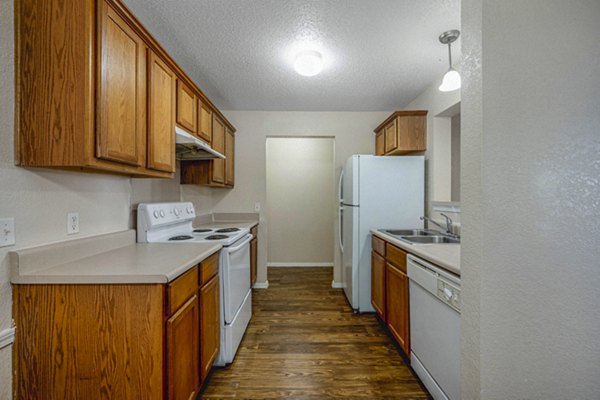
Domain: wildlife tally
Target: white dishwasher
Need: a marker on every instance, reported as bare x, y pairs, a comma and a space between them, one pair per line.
435, 327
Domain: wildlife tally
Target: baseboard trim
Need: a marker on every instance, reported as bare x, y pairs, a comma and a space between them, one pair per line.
299, 264
7, 337
261, 285
337, 285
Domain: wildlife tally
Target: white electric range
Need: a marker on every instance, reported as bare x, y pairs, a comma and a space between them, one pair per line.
173, 223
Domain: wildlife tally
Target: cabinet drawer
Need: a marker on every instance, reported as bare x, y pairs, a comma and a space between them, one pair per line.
182, 289
254, 231
396, 256
378, 245
209, 268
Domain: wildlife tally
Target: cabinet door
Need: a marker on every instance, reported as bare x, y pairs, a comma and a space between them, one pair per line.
187, 106
397, 308
412, 133
161, 116
182, 352
378, 284
253, 260
391, 136
218, 143
205, 117
230, 154
380, 143
121, 113
209, 326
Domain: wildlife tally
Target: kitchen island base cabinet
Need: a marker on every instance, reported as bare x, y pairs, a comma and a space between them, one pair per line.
117, 341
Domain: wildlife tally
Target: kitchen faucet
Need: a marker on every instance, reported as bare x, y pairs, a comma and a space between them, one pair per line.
447, 229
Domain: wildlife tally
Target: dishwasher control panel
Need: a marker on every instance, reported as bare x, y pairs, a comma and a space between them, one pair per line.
448, 293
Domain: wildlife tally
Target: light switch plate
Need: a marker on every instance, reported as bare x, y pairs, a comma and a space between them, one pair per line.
7, 232
72, 223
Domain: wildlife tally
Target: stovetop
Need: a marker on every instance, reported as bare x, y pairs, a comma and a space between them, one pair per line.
173, 223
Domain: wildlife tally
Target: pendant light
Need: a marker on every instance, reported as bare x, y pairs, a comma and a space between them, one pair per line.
451, 80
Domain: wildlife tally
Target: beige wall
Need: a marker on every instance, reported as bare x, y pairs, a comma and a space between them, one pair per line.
300, 191
353, 132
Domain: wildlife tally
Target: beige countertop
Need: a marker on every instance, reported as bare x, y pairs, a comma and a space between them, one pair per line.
446, 256
106, 259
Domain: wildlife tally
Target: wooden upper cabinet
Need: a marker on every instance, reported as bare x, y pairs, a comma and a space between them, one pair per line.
205, 118
218, 143
402, 133
183, 356
187, 108
121, 113
96, 92
390, 134
161, 115
209, 326
230, 160
379, 143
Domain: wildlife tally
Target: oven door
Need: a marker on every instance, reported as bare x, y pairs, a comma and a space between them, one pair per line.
236, 276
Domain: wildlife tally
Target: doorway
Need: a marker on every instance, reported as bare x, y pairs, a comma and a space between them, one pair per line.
300, 201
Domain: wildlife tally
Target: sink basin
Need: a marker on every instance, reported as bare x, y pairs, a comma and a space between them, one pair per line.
431, 239
411, 232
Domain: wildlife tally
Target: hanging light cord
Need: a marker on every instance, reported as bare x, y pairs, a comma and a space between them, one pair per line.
450, 54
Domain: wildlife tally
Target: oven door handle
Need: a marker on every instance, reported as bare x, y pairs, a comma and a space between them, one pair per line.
246, 240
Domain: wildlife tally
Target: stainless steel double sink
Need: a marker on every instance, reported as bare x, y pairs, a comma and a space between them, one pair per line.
421, 236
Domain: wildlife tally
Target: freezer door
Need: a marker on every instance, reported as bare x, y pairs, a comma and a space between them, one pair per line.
350, 181
350, 256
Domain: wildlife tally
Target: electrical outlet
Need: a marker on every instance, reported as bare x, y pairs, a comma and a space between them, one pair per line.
72, 223
7, 232
257, 207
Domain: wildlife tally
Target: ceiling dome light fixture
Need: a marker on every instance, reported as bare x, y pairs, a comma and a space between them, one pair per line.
451, 80
308, 63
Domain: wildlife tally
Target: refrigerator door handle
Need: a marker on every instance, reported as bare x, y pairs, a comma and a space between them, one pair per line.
340, 187
341, 227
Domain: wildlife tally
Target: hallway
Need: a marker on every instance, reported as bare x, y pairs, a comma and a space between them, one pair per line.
305, 342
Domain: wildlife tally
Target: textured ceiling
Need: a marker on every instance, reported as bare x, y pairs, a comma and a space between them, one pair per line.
379, 54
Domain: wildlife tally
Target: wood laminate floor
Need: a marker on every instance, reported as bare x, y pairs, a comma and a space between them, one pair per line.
304, 342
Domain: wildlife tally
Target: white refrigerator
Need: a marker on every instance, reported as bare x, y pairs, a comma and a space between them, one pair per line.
375, 192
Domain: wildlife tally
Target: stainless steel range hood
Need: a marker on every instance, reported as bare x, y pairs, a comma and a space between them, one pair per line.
188, 147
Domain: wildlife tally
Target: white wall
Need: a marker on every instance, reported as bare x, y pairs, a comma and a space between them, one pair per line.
437, 156
300, 192
353, 132
530, 199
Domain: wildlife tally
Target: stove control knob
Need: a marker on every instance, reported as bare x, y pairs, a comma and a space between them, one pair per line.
190, 210
162, 213
177, 212
155, 213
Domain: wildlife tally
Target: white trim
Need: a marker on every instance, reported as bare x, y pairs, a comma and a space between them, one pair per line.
337, 285
261, 285
448, 207
7, 337
299, 264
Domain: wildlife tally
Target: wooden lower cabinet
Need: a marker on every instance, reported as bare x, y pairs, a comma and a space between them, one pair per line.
183, 361
389, 290
116, 341
209, 326
397, 306
378, 284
